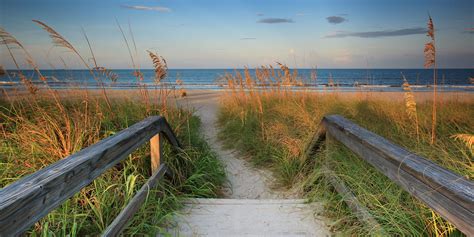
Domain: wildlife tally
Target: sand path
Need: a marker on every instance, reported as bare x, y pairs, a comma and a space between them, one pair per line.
249, 206
244, 181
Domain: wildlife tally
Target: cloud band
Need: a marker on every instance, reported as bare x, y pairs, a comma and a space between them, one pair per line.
377, 34
275, 20
146, 8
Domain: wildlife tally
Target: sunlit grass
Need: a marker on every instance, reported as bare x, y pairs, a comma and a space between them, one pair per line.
275, 125
40, 125
29, 144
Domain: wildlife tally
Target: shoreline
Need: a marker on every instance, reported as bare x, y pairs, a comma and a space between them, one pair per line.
200, 94
216, 87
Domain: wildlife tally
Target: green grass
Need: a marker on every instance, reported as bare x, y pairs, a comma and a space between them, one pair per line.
276, 134
197, 172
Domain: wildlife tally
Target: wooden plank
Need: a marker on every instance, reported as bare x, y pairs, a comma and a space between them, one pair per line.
361, 212
27, 200
449, 194
116, 227
316, 141
156, 143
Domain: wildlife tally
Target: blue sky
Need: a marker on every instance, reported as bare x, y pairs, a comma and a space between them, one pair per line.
233, 34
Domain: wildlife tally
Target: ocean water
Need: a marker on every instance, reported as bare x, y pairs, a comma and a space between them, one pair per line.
346, 79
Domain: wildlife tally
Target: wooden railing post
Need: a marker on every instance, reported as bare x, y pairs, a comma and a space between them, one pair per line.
360, 211
445, 192
156, 151
29, 199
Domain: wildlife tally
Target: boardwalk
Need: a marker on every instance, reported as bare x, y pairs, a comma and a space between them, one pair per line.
250, 207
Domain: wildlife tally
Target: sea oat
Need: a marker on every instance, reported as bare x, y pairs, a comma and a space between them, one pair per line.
430, 61
8, 39
102, 71
160, 65
58, 39
410, 104
286, 71
467, 139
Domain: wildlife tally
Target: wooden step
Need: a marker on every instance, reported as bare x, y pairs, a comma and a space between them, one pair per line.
249, 217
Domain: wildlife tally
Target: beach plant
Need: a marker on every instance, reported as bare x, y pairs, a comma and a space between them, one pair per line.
59, 41
41, 126
160, 66
467, 139
273, 126
430, 62
410, 105
135, 65
10, 42
197, 171
101, 71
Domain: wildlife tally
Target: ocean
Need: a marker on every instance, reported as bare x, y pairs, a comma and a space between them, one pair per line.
346, 79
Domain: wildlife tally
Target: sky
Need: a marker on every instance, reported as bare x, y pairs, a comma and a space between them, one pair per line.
234, 34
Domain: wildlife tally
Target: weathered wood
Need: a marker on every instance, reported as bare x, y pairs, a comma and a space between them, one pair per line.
116, 227
361, 212
156, 143
27, 200
449, 194
316, 141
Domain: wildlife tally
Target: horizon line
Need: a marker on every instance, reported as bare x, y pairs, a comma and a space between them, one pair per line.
250, 68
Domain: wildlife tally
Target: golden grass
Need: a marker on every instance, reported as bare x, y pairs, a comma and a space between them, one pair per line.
430, 61
39, 126
160, 66
59, 41
274, 124
410, 105
468, 139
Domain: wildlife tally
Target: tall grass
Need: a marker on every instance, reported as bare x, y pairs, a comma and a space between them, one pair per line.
197, 171
430, 61
275, 125
410, 105
39, 126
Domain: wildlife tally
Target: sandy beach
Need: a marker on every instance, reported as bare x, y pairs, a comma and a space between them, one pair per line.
203, 95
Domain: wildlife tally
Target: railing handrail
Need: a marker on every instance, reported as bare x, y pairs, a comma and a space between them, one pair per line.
449, 194
27, 200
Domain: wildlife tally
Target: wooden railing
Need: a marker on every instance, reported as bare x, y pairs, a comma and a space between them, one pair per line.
448, 194
27, 200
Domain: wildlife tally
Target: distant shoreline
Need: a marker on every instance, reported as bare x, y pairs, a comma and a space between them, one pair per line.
193, 95
216, 79
7, 85
230, 69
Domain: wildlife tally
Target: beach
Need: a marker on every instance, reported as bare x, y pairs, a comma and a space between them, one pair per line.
203, 95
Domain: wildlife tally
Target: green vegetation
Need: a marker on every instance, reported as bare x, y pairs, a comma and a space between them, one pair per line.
40, 126
37, 131
274, 126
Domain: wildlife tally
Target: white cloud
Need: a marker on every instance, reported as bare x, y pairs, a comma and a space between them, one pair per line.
146, 8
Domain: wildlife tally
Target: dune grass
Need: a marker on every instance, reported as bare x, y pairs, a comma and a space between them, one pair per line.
274, 125
40, 125
35, 134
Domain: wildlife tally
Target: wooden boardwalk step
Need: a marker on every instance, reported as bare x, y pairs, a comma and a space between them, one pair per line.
249, 217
